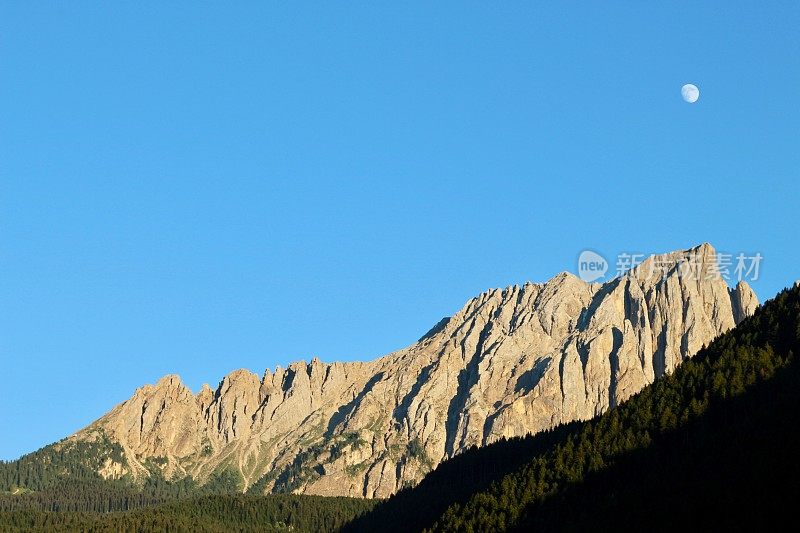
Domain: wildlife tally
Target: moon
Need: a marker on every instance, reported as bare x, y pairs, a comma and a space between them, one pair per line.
690, 93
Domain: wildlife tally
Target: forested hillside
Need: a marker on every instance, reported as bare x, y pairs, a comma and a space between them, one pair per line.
58, 488
64, 477
712, 444
207, 514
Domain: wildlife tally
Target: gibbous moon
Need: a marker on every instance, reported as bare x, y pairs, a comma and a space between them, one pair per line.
690, 93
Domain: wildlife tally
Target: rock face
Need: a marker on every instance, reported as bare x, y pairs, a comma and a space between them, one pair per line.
513, 361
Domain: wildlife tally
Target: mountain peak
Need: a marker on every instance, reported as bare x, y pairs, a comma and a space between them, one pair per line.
511, 362
704, 248
240, 374
170, 381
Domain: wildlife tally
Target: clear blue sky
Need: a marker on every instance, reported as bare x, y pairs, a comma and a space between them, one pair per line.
192, 190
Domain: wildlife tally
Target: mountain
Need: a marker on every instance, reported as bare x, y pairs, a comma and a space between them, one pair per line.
512, 362
712, 446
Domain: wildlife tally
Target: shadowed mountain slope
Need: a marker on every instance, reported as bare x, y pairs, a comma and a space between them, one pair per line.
713, 445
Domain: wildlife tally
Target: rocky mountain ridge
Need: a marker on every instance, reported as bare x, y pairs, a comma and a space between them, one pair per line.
512, 361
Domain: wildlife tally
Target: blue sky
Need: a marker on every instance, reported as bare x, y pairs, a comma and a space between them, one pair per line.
194, 189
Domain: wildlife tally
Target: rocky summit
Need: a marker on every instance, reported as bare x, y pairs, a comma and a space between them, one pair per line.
511, 362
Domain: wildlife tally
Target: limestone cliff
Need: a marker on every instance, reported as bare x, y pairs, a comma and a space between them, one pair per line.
512, 361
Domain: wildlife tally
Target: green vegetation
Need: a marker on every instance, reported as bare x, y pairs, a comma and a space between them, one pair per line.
227, 481
303, 468
310, 463
208, 514
712, 445
416, 450
52, 464
259, 488
68, 495
354, 470
207, 449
